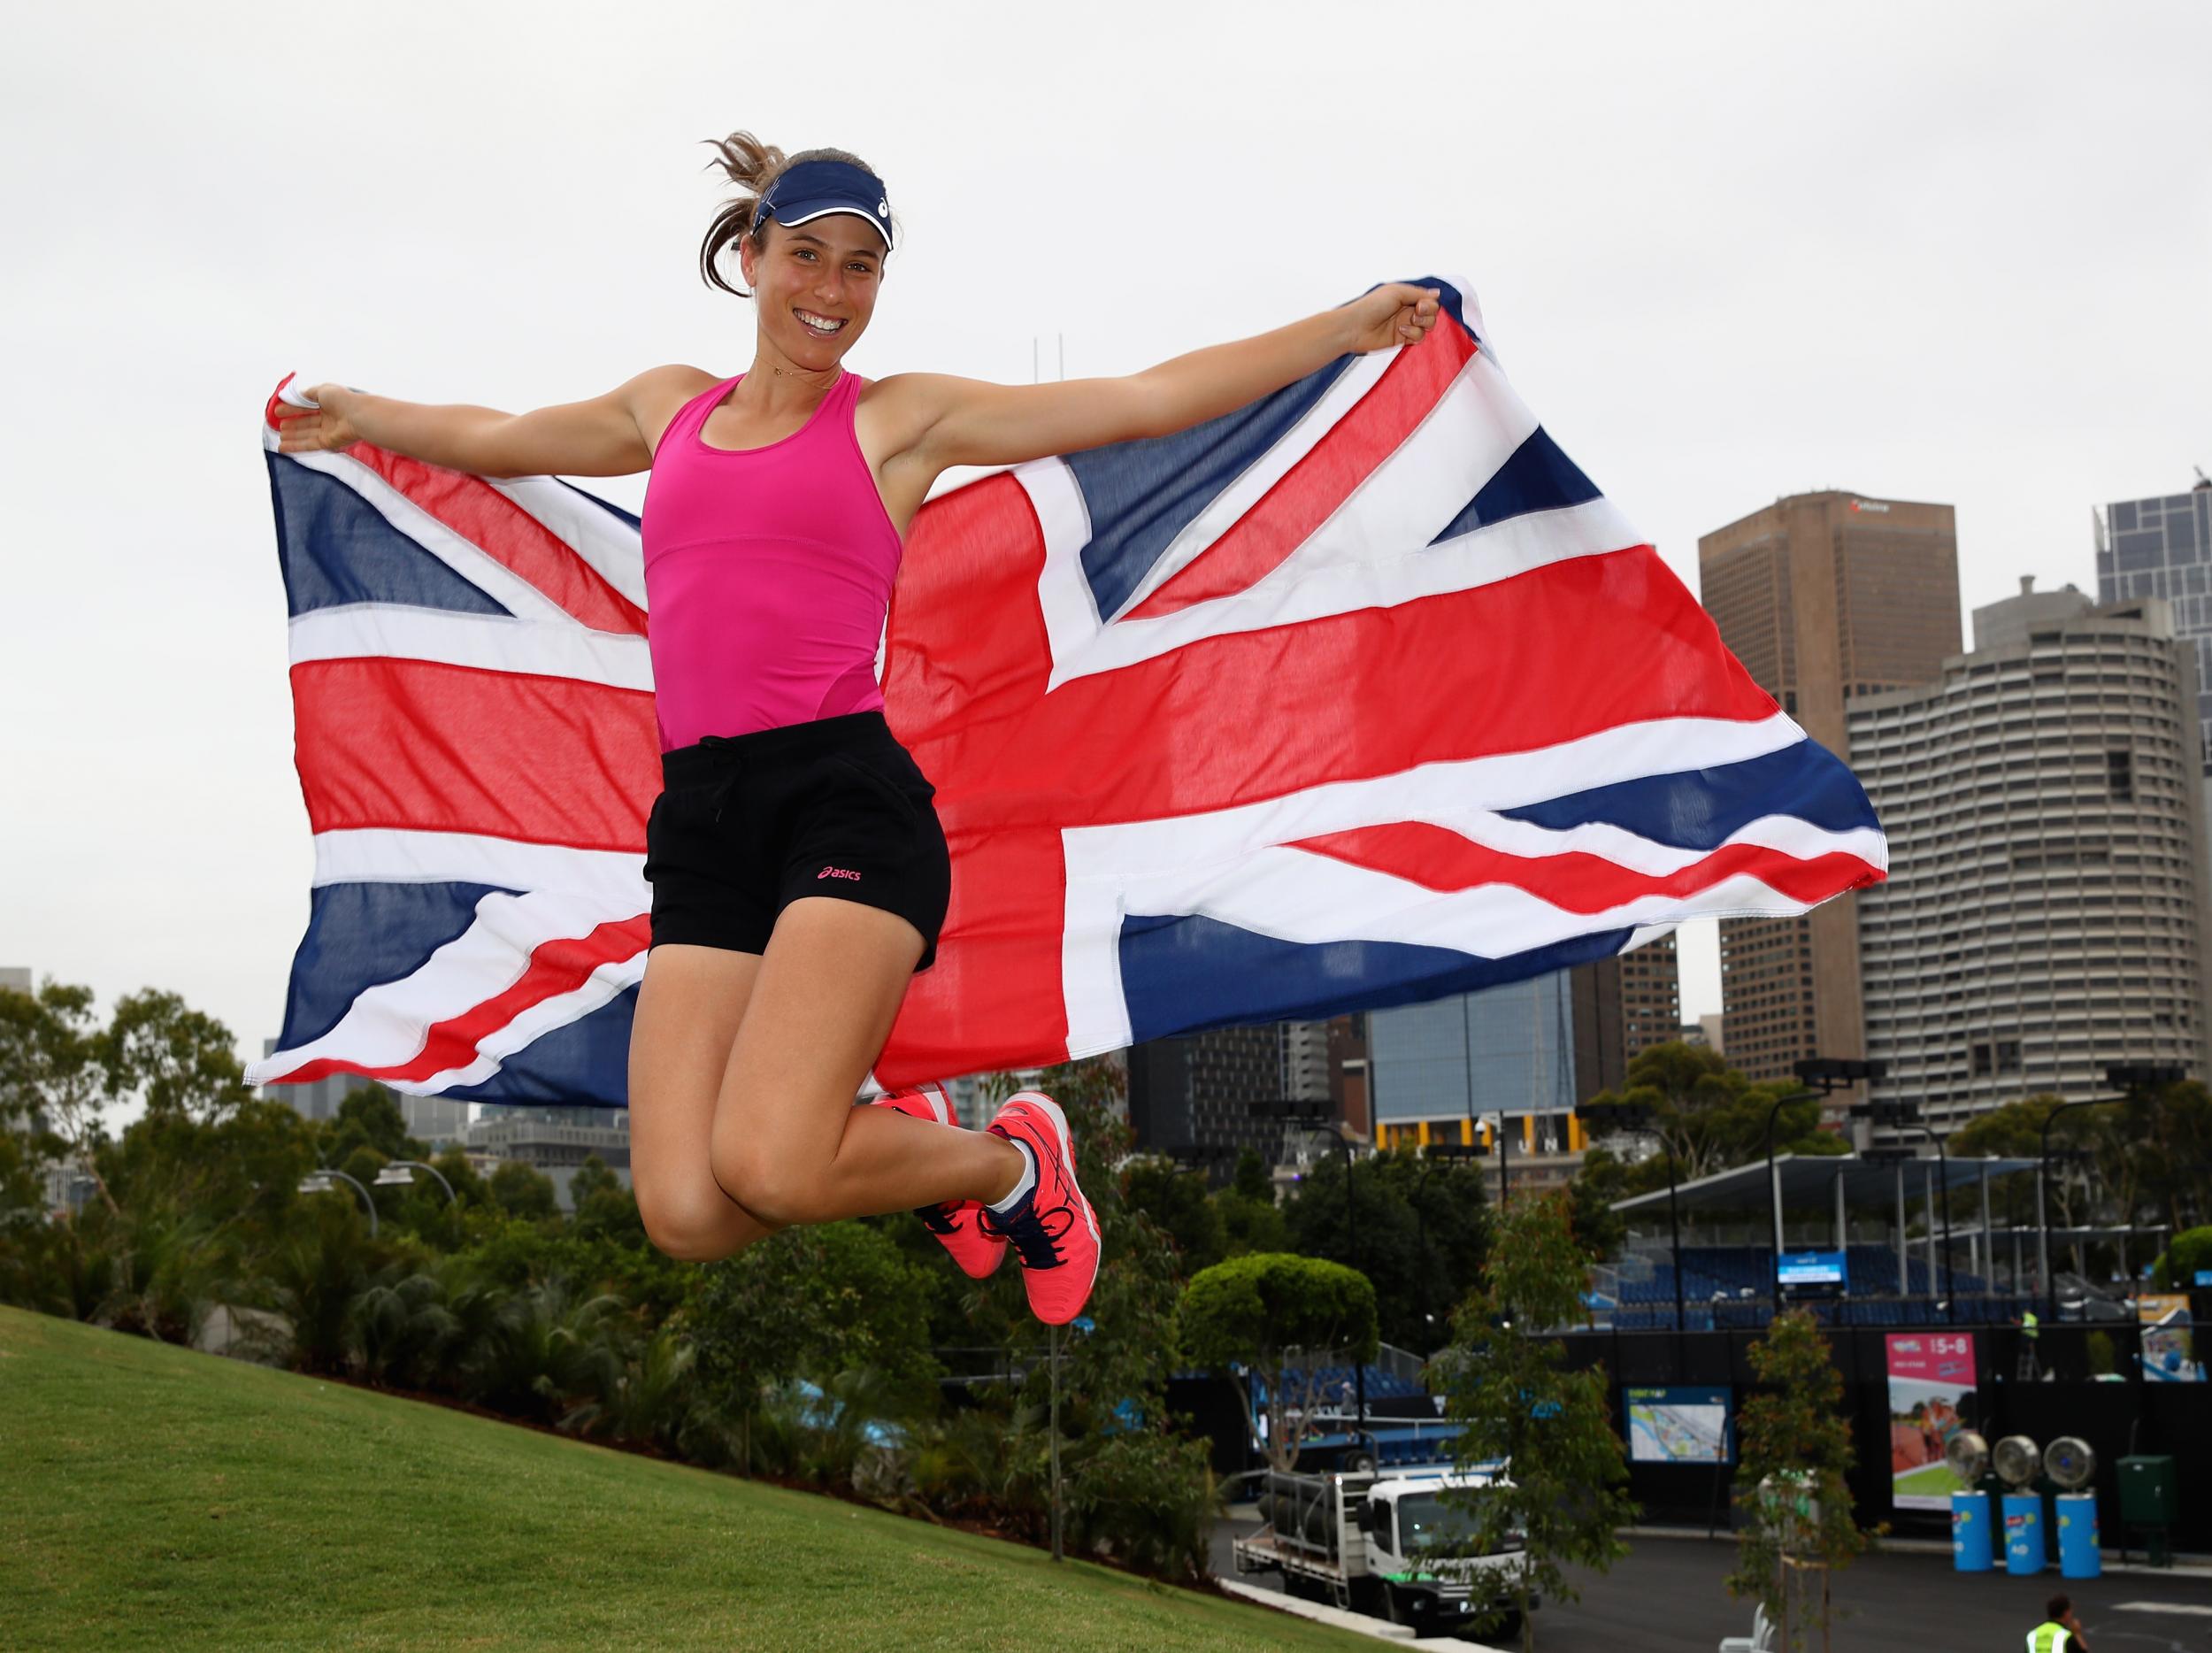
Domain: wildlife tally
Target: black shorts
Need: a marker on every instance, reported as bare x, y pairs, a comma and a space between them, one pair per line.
746, 825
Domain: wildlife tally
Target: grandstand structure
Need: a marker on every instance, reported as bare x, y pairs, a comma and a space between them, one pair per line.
1907, 1257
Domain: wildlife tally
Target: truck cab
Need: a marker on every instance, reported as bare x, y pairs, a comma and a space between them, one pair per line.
1370, 1543
1406, 1523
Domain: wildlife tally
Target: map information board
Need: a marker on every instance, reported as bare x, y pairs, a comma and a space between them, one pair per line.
1679, 1425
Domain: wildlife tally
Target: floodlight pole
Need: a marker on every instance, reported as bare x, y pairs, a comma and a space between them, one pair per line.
1943, 1174
1774, 1187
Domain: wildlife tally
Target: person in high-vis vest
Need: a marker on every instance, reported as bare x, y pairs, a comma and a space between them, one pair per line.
2061, 1630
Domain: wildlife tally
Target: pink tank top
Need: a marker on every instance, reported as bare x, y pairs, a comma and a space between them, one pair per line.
768, 571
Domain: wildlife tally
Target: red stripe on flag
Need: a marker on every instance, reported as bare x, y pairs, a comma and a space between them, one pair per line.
429, 746
1313, 490
1577, 881
1558, 653
556, 967
486, 518
992, 998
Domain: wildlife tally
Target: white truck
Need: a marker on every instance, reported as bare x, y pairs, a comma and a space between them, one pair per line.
1366, 1542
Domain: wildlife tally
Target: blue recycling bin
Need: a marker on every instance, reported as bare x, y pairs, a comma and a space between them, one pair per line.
2024, 1533
2078, 1554
1973, 1547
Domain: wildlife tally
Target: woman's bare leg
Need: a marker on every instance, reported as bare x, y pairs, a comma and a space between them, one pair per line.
689, 1007
788, 1143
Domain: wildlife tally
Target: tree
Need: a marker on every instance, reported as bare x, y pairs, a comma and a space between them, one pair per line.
1602, 1180
1790, 1475
811, 1302
1176, 1201
1421, 1259
369, 1117
1708, 1116
1272, 1315
606, 1208
52, 1084
524, 1190
1503, 1383
1251, 1219
2190, 1251
172, 1057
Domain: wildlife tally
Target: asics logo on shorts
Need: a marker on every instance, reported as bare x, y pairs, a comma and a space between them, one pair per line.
836, 871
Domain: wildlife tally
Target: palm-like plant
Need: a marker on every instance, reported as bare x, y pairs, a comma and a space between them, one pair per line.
164, 1263
310, 1279
651, 1399
401, 1324
545, 1346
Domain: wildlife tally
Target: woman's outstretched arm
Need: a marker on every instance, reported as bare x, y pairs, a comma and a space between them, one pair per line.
969, 421
603, 437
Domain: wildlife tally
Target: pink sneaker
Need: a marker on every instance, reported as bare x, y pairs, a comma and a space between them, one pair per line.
1053, 1231
977, 1253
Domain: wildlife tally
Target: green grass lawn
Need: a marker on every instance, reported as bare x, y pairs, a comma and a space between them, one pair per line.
152, 1496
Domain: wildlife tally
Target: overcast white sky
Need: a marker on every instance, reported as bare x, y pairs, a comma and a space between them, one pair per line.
1952, 252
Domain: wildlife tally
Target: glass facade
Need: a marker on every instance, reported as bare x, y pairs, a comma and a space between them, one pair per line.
1508, 1049
2162, 548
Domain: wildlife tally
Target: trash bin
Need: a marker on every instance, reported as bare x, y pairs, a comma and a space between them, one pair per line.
2078, 1554
2024, 1533
1973, 1549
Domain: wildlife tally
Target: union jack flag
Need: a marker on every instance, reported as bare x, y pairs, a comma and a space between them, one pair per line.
1359, 695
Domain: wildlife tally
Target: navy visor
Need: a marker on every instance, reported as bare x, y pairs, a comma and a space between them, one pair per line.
815, 189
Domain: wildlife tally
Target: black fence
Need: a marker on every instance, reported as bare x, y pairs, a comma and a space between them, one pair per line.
2116, 1411
2089, 1386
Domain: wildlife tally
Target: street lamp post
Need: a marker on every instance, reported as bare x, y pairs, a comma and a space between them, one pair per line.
318, 1181
407, 1168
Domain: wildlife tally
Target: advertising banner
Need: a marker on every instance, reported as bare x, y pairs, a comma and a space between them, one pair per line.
2168, 1339
1930, 1392
1679, 1425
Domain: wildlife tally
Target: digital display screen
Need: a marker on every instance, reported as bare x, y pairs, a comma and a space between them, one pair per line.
1812, 1268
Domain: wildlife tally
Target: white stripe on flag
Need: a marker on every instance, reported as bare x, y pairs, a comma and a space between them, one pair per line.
388, 1024
608, 544
614, 879
1105, 864
491, 643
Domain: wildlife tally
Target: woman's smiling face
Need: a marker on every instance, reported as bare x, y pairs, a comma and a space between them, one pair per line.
815, 286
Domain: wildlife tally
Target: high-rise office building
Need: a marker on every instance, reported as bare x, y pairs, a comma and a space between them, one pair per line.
1826, 598
1447, 1070
1199, 1088
2162, 548
2048, 910
1651, 996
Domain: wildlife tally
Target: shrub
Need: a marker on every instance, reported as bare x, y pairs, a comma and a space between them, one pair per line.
1148, 1499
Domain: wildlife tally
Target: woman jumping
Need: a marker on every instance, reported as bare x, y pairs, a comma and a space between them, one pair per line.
799, 873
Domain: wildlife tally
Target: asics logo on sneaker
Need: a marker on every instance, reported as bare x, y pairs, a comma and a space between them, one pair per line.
836, 871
